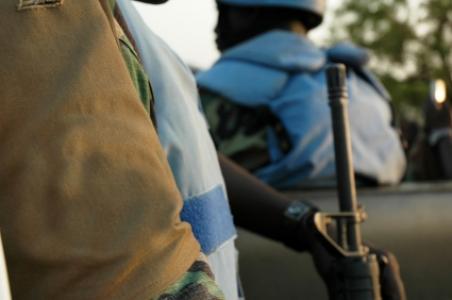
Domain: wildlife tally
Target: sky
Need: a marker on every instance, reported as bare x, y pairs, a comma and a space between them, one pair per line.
187, 26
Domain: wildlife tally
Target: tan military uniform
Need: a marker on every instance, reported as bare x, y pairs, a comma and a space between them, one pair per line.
88, 207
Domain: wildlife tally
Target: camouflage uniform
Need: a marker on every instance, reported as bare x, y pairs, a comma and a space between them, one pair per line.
240, 132
197, 283
271, 90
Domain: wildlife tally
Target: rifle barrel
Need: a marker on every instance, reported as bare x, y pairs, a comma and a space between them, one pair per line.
345, 176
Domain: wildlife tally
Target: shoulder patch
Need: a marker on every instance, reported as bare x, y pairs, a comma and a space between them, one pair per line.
30, 4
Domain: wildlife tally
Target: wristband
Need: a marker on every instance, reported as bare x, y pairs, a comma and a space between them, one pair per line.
295, 219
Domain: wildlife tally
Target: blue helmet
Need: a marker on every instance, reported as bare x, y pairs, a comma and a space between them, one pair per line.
315, 7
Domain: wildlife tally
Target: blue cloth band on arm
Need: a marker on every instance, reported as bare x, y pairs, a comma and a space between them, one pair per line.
210, 218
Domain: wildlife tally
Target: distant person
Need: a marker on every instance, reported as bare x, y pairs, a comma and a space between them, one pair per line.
431, 156
88, 205
266, 98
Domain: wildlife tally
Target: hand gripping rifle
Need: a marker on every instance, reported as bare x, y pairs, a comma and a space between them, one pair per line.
355, 272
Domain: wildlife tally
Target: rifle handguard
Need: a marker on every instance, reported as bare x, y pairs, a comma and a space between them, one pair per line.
323, 220
355, 278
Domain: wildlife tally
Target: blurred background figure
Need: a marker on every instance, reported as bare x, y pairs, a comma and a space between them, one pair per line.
431, 157
266, 102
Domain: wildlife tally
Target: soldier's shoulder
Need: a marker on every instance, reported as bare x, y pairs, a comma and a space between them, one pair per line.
349, 54
243, 82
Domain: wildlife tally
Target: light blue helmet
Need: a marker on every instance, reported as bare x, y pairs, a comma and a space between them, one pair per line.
315, 7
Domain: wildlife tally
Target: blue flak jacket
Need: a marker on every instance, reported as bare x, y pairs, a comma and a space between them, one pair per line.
191, 153
184, 136
286, 73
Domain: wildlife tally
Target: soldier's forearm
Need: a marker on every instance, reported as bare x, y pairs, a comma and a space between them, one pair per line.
255, 205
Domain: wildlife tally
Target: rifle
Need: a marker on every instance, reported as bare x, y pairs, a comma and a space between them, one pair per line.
355, 272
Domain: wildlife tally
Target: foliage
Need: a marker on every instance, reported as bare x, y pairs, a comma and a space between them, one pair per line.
411, 41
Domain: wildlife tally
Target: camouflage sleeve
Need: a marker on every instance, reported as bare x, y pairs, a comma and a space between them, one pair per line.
197, 284
136, 70
239, 132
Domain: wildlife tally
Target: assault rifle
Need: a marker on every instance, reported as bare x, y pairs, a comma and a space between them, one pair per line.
355, 272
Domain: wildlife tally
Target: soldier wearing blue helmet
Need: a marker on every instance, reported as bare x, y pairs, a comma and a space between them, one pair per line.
316, 8
266, 103
269, 82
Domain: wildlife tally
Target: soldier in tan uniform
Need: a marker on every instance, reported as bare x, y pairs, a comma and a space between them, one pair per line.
88, 206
